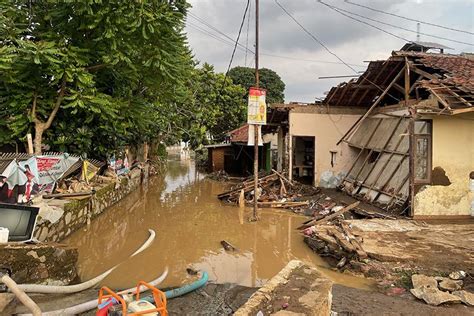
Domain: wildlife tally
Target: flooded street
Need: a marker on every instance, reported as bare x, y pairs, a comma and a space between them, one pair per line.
190, 222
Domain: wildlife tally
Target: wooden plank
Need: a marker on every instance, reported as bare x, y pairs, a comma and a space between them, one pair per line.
360, 153
338, 213
380, 154
362, 118
353, 240
343, 242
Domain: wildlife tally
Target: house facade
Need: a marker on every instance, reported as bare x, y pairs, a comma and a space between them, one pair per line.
401, 136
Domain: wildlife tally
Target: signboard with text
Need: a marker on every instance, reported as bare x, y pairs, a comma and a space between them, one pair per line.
257, 108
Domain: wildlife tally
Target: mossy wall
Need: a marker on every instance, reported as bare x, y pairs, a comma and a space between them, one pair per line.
78, 213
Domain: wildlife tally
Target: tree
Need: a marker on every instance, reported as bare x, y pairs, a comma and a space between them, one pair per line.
103, 66
269, 80
214, 108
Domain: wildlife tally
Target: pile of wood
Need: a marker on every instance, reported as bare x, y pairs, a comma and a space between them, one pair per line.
274, 190
332, 237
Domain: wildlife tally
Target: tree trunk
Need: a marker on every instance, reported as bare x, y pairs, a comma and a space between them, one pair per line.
39, 130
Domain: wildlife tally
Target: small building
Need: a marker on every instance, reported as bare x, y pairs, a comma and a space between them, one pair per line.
235, 156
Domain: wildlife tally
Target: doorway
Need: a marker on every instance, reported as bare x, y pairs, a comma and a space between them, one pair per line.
303, 159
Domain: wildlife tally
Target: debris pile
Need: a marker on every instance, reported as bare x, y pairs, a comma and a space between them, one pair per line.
336, 240
274, 190
441, 290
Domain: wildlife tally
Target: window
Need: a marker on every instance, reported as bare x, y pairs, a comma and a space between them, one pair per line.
422, 152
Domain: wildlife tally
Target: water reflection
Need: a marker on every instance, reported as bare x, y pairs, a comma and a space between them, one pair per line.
190, 223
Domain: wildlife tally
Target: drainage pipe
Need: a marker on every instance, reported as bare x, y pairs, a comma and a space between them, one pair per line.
67, 289
184, 289
89, 305
20, 295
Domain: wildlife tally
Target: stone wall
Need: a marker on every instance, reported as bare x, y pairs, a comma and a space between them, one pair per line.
77, 213
44, 263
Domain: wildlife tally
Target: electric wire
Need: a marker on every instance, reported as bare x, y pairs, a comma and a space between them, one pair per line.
243, 48
327, 49
314, 37
407, 18
392, 25
364, 22
235, 48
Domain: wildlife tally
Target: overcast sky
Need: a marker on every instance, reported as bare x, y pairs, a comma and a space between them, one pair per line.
352, 41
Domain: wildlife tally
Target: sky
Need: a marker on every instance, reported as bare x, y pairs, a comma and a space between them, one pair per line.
298, 58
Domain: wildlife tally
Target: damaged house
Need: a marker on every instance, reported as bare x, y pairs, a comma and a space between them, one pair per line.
415, 142
401, 136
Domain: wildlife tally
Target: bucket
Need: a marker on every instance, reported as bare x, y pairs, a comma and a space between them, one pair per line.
4, 232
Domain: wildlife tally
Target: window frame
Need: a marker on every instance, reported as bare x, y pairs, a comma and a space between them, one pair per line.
429, 164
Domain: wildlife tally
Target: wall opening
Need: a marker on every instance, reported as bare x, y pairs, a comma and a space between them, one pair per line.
303, 159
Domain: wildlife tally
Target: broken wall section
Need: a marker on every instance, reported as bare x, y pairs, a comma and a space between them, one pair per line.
449, 193
379, 173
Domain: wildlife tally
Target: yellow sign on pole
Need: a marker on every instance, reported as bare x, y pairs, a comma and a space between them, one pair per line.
257, 107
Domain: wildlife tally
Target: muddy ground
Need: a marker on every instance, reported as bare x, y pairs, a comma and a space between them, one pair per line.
224, 299
350, 301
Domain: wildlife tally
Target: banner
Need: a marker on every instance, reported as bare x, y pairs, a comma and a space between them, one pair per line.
52, 168
257, 108
21, 181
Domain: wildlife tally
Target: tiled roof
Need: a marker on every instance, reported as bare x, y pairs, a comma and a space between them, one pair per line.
240, 135
456, 70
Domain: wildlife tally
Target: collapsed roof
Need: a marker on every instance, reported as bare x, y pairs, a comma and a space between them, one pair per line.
448, 79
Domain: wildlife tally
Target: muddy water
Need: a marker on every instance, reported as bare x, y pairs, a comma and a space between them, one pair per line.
190, 222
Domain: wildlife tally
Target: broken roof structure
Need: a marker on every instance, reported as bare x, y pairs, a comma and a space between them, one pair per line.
408, 98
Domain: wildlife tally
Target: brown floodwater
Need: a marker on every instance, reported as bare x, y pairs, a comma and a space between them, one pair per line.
190, 222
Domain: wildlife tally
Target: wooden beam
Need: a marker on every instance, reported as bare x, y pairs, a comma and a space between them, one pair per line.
460, 111
374, 80
440, 99
380, 154
338, 213
360, 119
423, 73
361, 151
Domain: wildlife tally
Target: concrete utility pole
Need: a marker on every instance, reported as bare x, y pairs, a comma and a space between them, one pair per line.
255, 146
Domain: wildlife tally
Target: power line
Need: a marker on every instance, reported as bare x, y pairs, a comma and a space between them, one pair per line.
366, 23
325, 47
244, 48
205, 32
314, 37
409, 19
392, 25
311, 60
235, 46
194, 16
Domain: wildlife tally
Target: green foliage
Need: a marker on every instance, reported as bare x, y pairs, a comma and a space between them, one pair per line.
214, 108
110, 65
269, 80
95, 76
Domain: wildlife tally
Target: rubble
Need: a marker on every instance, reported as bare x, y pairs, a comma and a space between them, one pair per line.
433, 296
450, 285
457, 275
427, 288
275, 191
466, 297
420, 280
